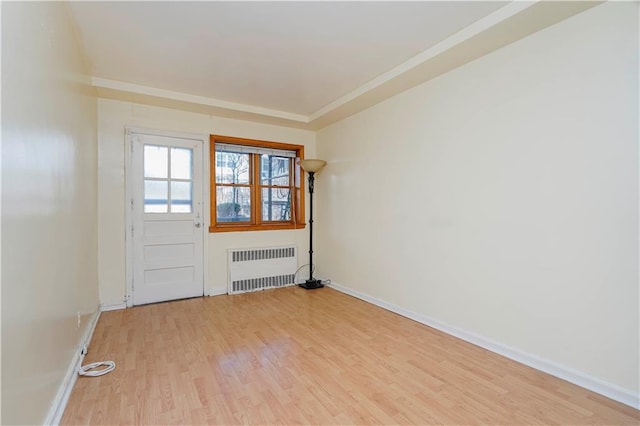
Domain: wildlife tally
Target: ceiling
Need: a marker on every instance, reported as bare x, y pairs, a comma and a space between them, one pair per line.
304, 64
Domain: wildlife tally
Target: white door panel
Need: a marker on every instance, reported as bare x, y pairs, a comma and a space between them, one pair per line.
167, 202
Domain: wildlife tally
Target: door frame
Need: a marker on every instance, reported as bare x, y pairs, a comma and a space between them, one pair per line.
130, 131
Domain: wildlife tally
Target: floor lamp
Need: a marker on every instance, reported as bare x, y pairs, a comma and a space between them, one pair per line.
311, 167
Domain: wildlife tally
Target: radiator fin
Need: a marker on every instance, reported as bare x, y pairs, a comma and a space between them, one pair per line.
261, 254
262, 283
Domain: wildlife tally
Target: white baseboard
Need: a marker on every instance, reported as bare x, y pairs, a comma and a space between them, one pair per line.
64, 391
593, 384
113, 307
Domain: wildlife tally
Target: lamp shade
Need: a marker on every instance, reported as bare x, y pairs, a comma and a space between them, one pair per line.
312, 166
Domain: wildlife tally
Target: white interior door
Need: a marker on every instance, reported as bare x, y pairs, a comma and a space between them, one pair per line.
167, 221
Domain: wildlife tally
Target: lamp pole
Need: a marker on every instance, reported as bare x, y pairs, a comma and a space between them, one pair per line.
311, 281
311, 167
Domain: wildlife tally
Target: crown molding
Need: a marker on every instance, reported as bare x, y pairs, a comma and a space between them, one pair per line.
104, 83
506, 25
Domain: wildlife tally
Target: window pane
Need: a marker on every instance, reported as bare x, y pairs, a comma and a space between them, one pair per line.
233, 204
181, 198
232, 167
274, 170
276, 204
181, 164
155, 196
156, 163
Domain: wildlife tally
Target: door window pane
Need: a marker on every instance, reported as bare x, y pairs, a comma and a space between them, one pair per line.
156, 196
181, 197
156, 161
276, 204
181, 163
233, 204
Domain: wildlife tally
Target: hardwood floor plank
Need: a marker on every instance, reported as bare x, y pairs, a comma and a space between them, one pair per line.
291, 356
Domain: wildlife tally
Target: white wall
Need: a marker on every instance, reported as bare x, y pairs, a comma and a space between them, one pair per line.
49, 205
114, 116
502, 197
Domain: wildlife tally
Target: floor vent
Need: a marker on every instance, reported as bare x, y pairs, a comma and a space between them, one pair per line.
261, 268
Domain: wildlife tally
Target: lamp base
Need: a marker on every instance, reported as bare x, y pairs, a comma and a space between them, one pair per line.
311, 284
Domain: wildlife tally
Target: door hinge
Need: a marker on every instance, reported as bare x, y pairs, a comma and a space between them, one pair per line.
132, 230
131, 203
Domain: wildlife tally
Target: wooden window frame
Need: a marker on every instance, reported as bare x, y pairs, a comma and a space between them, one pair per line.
256, 223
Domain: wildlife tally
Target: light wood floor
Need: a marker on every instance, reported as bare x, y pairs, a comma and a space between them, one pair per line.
291, 356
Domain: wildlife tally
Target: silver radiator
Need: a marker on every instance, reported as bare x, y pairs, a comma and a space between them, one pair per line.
261, 268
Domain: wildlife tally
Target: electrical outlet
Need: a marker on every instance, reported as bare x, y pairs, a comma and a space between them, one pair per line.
79, 319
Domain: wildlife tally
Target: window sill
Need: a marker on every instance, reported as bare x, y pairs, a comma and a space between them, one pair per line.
244, 228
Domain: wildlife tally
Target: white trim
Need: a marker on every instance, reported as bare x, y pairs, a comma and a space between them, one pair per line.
194, 99
581, 379
166, 133
64, 391
481, 25
217, 292
113, 307
206, 194
128, 215
206, 214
